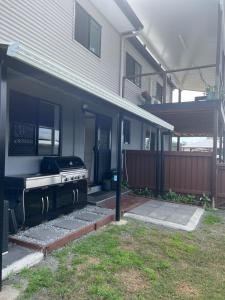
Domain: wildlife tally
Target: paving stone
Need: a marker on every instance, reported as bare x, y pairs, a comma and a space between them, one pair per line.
70, 224
43, 234
86, 216
99, 210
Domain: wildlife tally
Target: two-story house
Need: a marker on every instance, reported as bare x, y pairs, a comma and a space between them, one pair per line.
83, 44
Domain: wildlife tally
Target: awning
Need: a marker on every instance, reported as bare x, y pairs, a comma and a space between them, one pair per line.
190, 119
181, 34
29, 56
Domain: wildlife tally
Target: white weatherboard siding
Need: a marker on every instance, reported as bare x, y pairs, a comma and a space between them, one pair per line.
133, 92
48, 27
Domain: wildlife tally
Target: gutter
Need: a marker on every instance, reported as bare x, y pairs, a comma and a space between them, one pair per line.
129, 13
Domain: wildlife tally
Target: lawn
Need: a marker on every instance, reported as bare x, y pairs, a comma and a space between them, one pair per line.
134, 261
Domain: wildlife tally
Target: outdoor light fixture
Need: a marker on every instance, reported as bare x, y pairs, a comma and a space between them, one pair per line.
84, 107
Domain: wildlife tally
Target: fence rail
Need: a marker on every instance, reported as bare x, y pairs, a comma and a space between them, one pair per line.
182, 172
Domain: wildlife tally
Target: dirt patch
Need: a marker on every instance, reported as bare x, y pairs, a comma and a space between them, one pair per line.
132, 280
89, 261
188, 290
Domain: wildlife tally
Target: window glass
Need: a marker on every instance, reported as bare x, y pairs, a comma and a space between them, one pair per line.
147, 140
95, 37
48, 134
82, 26
87, 31
45, 141
22, 118
133, 68
34, 126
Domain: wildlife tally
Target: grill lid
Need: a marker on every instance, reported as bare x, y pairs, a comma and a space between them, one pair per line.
57, 164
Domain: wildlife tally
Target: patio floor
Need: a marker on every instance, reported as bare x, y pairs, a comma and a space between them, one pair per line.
173, 215
128, 202
58, 232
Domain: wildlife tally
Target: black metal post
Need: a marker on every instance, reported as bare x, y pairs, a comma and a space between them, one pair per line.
178, 143
162, 164
3, 103
157, 162
119, 166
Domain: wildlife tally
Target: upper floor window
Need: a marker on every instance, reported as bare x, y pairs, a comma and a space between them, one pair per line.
34, 126
159, 92
87, 31
133, 68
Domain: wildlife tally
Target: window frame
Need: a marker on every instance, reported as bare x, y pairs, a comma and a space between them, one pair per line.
37, 126
89, 30
137, 81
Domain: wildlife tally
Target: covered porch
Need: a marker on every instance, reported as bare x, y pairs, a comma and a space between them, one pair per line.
30, 79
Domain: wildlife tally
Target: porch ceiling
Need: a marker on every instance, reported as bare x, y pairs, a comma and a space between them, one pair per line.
190, 118
181, 34
28, 56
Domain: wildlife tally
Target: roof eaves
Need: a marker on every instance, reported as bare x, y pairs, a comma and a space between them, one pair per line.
130, 14
141, 49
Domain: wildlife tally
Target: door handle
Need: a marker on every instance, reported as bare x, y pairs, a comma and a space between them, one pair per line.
47, 203
43, 205
74, 197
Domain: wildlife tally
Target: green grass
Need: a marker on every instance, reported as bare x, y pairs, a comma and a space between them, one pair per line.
135, 262
211, 219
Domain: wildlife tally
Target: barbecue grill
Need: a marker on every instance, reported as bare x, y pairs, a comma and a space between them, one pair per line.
59, 188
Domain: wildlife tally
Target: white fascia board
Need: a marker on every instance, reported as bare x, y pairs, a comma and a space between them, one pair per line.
29, 56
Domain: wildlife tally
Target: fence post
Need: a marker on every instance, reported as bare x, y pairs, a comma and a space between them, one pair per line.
162, 164
214, 157
157, 165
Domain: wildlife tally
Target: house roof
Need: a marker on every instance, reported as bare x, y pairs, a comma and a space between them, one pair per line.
28, 56
181, 34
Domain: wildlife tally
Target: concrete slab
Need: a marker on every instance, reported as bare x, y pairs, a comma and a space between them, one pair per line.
18, 264
177, 216
9, 293
15, 253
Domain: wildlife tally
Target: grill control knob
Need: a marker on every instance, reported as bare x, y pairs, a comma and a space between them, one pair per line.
65, 179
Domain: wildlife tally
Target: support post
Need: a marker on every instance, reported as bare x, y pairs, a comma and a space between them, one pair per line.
223, 146
218, 50
214, 158
179, 95
119, 166
164, 87
157, 166
3, 105
178, 143
162, 164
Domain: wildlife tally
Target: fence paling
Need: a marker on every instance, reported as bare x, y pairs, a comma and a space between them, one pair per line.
184, 172
220, 201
